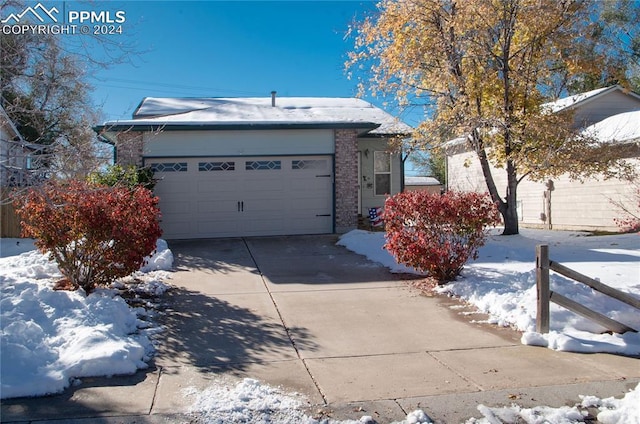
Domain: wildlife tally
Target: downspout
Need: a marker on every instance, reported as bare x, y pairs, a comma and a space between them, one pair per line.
105, 140
445, 183
402, 162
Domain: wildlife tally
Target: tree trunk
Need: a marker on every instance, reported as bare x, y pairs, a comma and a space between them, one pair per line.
508, 206
510, 212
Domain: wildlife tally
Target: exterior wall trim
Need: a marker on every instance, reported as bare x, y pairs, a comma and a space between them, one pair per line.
346, 180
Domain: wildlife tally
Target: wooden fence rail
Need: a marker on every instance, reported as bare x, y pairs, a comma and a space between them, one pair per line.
545, 295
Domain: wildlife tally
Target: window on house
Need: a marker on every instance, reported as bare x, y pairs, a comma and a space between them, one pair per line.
382, 173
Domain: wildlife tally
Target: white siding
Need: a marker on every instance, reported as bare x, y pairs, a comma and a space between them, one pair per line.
607, 105
464, 173
590, 205
238, 143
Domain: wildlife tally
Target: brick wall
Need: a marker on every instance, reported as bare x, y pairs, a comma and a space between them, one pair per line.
346, 180
129, 148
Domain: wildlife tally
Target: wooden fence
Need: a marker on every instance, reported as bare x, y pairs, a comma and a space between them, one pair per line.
9, 221
545, 295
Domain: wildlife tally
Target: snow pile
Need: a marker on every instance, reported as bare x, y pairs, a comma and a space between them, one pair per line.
539, 414
161, 259
502, 284
614, 411
250, 401
51, 337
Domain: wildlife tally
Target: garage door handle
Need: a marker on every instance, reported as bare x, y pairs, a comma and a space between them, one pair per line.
326, 214
242, 206
325, 176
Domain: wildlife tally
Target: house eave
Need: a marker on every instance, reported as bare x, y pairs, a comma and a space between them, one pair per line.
385, 135
107, 131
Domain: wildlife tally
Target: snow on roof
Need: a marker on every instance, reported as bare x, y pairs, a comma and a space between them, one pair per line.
621, 128
417, 181
569, 101
259, 111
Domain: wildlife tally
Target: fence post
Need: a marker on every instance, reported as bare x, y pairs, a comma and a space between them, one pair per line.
542, 284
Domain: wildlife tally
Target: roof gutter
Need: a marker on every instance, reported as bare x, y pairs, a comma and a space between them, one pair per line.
107, 131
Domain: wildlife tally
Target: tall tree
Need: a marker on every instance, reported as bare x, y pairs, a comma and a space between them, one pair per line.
44, 89
614, 34
485, 68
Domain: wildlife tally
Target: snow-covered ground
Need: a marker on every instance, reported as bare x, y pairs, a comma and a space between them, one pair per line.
502, 283
250, 401
51, 338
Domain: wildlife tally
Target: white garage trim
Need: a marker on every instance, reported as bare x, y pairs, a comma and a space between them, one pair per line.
231, 196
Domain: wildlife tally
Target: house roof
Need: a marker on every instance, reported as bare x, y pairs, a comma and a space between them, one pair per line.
258, 113
420, 181
620, 128
581, 98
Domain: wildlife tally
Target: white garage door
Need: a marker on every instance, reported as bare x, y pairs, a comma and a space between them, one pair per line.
244, 196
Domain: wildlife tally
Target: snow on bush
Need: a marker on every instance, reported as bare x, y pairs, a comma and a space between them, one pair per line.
49, 337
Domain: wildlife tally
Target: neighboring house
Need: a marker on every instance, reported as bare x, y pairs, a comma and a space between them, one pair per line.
14, 172
430, 184
20, 161
261, 166
14, 154
612, 114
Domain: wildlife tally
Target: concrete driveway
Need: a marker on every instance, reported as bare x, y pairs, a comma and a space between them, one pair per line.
315, 318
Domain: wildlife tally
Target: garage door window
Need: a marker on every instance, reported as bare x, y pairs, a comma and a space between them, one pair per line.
262, 165
308, 164
382, 173
169, 167
216, 166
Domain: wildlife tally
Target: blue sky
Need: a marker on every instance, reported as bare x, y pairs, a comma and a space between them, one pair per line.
230, 49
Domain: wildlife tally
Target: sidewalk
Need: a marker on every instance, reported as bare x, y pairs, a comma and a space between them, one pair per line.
314, 318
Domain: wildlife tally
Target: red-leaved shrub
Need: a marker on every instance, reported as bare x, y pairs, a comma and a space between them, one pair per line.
436, 233
95, 233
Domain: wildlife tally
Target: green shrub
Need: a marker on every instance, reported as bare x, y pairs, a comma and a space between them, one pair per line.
130, 176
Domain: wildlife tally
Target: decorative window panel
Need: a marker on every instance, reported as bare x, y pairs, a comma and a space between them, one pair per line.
262, 165
216, 166
309, 164
382, 173
169, 167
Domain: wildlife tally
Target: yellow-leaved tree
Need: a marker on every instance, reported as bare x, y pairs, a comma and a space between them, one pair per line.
484, 69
